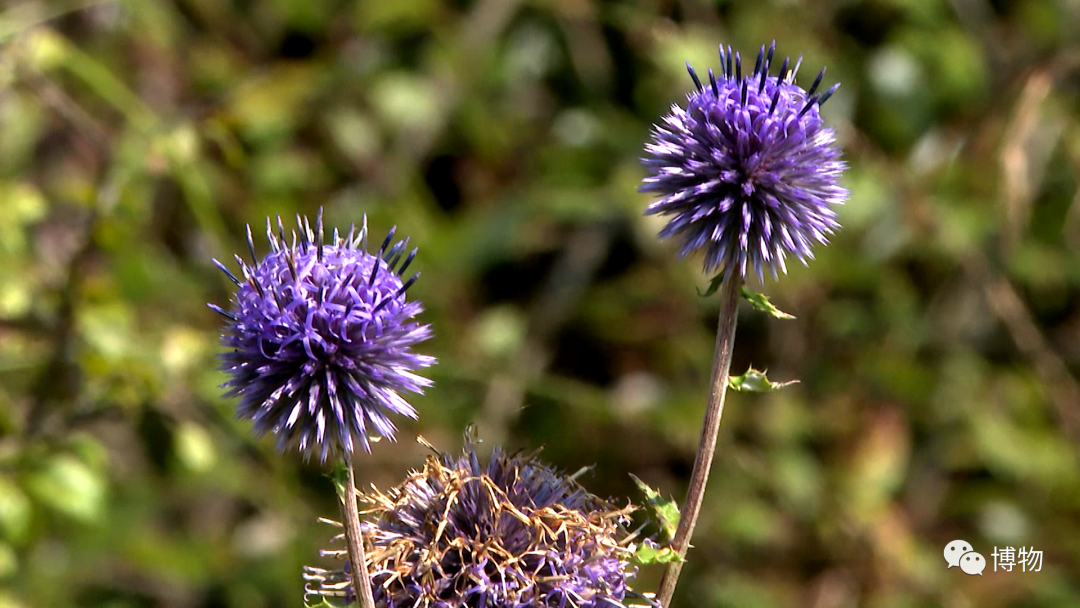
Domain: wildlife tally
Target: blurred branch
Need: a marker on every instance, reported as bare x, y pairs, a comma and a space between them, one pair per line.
54, 386
1024, 155
565, 285
1031, 136
1006, 304
18, 19
57, 100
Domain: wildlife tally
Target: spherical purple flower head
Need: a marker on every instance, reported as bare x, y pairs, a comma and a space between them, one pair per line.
321, 340
748, 172
509, 534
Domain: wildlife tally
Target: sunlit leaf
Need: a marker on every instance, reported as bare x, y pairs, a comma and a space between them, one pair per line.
194, 448
649, 552
761, 302
14, 511
754, 381
664, 510
66, 484
714, 284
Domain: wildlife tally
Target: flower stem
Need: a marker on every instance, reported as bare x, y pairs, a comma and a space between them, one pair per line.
355, 540
725, 338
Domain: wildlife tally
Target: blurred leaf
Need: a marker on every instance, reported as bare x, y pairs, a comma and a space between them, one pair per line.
194, 447
761, 302
648, 552
500, 331
15, 510
9, 562
664, 511
714, 284
318, 601
340, 476
9, 601
754, 381
67, 485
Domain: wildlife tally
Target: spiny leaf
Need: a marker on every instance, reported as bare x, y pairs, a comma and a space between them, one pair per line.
761, 302
340, 476
714, 284
665, 511
754, 381
319, 602
649, 553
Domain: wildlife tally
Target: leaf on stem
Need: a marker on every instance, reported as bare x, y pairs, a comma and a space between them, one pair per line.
754, 381
761, 302
649, 553
714, 284
340, 476
664, 510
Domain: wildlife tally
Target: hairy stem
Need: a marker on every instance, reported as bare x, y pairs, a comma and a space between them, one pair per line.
725, 338
353, 537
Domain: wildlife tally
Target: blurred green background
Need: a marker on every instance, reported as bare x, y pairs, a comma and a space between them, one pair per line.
937, 339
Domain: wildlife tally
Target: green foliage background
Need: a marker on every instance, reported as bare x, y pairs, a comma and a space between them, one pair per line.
937, 339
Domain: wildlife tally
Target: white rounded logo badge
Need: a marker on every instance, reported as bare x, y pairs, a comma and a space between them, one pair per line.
973, 563
955, 550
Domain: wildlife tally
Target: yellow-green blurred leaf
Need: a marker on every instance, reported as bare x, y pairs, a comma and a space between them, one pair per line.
68, 485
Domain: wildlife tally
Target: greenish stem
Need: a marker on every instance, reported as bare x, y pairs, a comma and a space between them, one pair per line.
725, 339
355, 540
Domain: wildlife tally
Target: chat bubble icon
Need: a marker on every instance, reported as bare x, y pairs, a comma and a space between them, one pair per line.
973, 563
956, 549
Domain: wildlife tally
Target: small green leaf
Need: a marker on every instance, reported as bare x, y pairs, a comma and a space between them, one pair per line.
649, 553
9, 562
319, 602
754, 381
66, 484
15, 510
340, 476
714, 284
665, 510
761, 302
194, 447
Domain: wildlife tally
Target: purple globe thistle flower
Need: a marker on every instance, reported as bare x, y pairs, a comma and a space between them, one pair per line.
321, 339
509, 534
748, 172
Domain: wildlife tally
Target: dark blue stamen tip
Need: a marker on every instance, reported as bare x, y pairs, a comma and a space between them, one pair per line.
394, 255
827, 94
760, 59
712, 82
723, 63
693, 74
270, 238
386, 242
300, 227
809, 104
783, 71
817, 81
408, 260
251, 246
405, 287
222, 268
290, 259
738, 66
374, 272
281, 232
768, 58
220, 311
